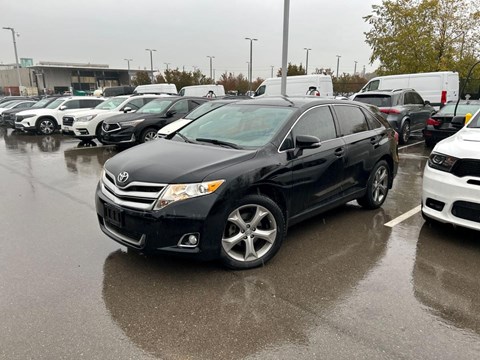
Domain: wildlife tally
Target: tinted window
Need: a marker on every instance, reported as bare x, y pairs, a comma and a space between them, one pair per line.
351, 119
373, 85
90, 103
417, 99
136, 104
260, 90
373, 122
316, 122
193, 104
72, 104
181, 107
379, 100
410, 99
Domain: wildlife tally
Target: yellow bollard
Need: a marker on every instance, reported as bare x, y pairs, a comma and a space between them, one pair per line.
468, 116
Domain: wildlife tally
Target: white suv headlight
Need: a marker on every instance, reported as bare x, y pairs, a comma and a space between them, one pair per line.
85, 118
177, 192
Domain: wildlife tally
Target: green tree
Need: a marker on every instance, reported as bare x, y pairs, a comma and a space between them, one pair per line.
409, 36
347, 84
183, 78
141, 78
292, 70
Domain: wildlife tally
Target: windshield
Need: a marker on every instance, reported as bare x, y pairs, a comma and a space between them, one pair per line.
239, 125
8, 104
110, 104
41, 103
462, 109
55, 104
155, 107
475, 122
377, 100
203, 109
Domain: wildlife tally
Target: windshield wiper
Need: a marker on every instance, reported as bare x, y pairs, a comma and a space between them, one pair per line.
219, 142
183, 137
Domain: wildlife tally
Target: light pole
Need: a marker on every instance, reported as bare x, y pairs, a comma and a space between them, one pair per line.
306, 63
129, 77
166, 64
16, 57
251, 64
151, 61
271, 74
355, 68
211, 57
338, 62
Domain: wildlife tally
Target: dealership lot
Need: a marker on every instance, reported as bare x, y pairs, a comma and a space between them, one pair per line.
343, 285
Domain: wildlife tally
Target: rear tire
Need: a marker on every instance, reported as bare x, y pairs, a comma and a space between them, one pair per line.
404, 133
377, 186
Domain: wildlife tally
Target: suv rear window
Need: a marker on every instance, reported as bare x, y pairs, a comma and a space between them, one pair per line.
379, 100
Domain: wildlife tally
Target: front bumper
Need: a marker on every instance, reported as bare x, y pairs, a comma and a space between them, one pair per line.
161, 231
25, 126
122, 136
445, 198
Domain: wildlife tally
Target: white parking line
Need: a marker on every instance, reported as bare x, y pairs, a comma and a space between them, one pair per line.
404, 217
406, 146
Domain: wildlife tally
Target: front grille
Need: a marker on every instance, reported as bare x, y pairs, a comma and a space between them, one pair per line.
110, 127
68, 120
136, 195
466, 167
466, 210
7, 116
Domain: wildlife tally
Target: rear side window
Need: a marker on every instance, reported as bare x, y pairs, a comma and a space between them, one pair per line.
89, 103
379, 100
373, 122
351, 119
72, 104
316, 122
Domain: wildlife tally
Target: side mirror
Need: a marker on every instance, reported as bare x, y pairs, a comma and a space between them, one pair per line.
307, 142
170, 113
458, 121
127, 109
63, 107
426, 102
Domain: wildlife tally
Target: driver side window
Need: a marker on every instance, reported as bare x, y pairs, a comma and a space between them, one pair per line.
316, 122
180, 107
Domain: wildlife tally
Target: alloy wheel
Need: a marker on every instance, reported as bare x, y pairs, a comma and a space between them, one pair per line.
47, 127
149, 136
380, 184
250, 233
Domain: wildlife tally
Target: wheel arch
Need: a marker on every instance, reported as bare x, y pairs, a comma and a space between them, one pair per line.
272, 193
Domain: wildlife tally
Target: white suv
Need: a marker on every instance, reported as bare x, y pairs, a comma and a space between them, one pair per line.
87, 124
47, 120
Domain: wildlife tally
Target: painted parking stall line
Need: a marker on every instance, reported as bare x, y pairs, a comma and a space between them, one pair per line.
404, 217
407, 146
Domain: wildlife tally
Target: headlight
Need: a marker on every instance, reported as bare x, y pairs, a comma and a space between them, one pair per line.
441, 162
21, 117
131, 123
85, 118
177, 192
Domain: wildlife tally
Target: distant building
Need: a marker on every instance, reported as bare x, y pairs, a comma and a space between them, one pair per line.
56, 77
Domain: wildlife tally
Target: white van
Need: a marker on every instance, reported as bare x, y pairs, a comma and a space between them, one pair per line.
436, 87
170, 89
203, 90
298, 86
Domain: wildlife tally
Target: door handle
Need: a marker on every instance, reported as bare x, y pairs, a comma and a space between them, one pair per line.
339, 152
374, 140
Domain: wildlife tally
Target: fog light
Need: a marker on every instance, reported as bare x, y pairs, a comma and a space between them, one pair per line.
189, 240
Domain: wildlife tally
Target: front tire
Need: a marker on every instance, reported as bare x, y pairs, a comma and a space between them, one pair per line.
404, 133
377, 186
148, 134
46, 126
98, 133
254, 231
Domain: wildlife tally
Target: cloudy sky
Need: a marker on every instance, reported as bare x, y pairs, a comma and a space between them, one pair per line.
185, 32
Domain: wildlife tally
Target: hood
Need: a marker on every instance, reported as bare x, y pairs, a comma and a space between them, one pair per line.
168, 162
85, 112
464, 144
41, 111
130, 116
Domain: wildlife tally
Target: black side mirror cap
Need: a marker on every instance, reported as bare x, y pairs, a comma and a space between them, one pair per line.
458, 121
170, 113
307, 142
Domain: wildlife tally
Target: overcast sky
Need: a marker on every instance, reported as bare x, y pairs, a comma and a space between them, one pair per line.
185, 32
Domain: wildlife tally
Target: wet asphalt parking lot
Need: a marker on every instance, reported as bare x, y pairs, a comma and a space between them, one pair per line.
343, 286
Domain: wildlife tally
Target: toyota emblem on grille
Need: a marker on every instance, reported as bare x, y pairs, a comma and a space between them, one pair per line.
106, 126
122, 177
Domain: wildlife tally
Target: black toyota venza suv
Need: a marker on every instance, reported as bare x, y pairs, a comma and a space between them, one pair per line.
142, 125
230, 183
